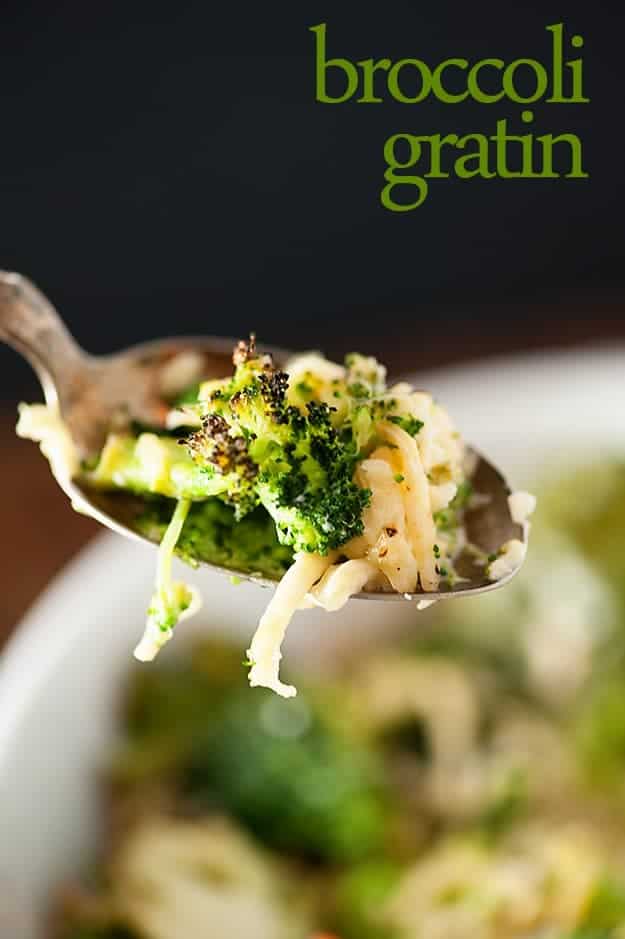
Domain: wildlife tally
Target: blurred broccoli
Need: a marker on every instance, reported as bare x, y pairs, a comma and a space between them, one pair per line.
291, 460
600, 730
605, 912
166, 708
297, 784
589, 505
509, 804
360, 893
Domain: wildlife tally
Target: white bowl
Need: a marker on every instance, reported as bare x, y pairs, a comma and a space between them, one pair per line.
61, 673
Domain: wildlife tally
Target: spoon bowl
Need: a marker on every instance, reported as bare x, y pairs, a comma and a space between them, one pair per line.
97, 394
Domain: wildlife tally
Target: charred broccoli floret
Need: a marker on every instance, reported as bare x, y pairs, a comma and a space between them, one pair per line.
229, 460
290, 459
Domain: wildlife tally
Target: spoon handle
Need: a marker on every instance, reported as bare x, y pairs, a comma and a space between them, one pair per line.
30, 324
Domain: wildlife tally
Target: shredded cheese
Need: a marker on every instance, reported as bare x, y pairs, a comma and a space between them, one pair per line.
510, 557
265, 650
44, 424
521, 505
173, 601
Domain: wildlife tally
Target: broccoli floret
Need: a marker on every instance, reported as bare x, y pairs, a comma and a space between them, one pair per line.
292, 450
229, 460
296, 783
292, 460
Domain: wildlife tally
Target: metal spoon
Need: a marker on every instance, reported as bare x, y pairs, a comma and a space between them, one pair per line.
95, 394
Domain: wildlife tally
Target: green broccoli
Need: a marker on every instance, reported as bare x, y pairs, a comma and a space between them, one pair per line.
296, 783
294, 462
212, 533
292, 450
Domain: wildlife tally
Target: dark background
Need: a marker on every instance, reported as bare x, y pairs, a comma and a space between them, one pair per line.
166, 169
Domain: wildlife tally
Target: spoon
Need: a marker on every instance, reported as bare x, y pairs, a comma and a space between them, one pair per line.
95, 394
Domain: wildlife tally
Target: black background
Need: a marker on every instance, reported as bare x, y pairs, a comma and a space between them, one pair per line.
166, 169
